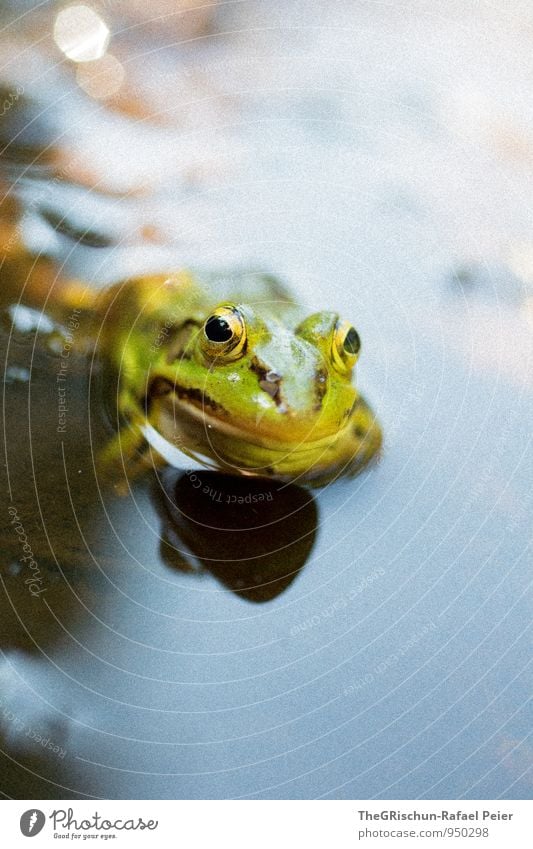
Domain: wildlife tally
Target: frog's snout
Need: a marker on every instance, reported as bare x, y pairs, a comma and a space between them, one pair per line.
293, 376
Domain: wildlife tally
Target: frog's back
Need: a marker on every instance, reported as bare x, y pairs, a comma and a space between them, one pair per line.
133, 315
189, 290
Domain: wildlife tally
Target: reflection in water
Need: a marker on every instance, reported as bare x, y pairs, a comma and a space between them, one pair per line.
252, 534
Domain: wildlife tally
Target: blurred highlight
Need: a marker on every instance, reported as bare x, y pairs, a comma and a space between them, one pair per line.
81, 34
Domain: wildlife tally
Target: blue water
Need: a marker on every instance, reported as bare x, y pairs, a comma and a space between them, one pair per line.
382, 162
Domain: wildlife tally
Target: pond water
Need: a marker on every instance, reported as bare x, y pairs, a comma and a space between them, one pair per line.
367, 640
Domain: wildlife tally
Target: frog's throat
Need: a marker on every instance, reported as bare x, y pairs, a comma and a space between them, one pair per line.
232, 448
174, 417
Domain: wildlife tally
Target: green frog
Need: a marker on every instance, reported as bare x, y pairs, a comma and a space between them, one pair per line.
226, 369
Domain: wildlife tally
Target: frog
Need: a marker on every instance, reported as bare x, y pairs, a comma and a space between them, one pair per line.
225, 368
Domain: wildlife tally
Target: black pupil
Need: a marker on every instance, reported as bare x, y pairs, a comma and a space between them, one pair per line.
352, 343
218, 329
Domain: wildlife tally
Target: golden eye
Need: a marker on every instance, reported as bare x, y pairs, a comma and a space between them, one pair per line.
224, 334
346, 346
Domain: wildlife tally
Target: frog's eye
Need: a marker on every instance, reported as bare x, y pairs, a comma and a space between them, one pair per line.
346, 346
224, 334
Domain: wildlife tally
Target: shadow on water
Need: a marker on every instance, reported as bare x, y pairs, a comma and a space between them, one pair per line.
46, 577
252, 534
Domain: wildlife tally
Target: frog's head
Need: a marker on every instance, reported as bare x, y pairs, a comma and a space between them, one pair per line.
257, 396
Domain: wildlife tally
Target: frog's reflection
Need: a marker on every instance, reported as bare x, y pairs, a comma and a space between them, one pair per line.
254, 535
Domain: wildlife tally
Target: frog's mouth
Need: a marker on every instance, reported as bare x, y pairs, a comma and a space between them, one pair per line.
219, 444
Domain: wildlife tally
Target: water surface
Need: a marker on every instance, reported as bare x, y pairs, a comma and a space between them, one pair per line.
369, 640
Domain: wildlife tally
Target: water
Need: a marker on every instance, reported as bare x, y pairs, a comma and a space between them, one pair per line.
374, 644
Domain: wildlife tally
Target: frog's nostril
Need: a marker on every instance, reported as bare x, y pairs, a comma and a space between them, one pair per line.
270, 386
269, 380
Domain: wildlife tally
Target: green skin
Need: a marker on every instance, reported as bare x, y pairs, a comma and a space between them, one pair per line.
283, 408
286, 407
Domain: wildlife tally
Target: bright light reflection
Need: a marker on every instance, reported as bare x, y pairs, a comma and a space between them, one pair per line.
81, 34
